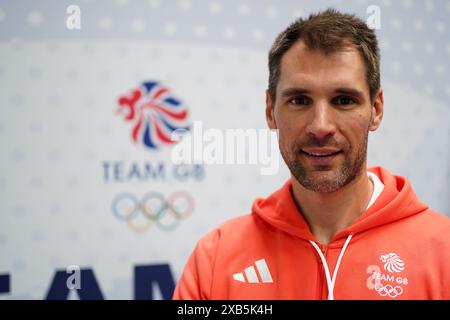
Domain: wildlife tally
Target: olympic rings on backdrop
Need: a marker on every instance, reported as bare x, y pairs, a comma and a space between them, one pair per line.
153, 208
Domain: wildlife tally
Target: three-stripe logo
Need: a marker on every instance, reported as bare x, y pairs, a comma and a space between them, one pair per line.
251, 274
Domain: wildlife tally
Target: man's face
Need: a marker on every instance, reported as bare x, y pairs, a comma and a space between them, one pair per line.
324, 113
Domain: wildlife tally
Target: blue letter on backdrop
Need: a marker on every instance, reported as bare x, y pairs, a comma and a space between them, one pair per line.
144, 276
89, 286
4, 283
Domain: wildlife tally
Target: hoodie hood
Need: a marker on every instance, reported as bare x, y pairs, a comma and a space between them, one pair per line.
396, 201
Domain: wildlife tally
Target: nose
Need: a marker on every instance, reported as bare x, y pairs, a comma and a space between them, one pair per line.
321, 123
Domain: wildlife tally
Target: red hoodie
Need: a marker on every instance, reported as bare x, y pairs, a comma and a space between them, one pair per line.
397, 249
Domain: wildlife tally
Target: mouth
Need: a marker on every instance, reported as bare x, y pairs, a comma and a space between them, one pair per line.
319, 156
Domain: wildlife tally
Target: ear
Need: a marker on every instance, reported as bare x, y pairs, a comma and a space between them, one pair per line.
377, 111
270, 118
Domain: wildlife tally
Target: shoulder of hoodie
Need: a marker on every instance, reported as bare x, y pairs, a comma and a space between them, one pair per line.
439, 220
431, 224
429, 234
236, 228
432, 218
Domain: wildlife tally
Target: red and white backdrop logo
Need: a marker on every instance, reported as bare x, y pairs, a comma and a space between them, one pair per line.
155, 113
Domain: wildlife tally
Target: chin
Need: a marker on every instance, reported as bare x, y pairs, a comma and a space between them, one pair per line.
327, 187
323, 181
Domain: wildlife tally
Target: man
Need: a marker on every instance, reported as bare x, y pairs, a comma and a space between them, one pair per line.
335, 230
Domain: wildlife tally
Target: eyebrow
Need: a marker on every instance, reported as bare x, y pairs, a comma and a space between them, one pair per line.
289, 92
350, 91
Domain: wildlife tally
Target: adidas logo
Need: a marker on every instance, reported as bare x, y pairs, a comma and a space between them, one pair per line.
251, 276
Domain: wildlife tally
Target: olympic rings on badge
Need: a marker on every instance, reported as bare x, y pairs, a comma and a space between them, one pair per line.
153, 208
388, 290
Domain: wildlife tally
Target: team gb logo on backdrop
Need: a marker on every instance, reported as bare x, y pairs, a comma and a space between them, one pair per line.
154, 114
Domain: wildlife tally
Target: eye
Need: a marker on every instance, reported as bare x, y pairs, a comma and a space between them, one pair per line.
343, 100
301, 100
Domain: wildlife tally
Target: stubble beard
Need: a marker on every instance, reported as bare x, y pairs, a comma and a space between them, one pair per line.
327, 181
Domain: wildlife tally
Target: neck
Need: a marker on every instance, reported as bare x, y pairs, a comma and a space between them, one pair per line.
331, 212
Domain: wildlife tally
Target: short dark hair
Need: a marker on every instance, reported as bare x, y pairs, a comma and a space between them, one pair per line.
328, 31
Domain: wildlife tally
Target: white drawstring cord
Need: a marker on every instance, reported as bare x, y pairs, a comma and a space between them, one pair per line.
331, 281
